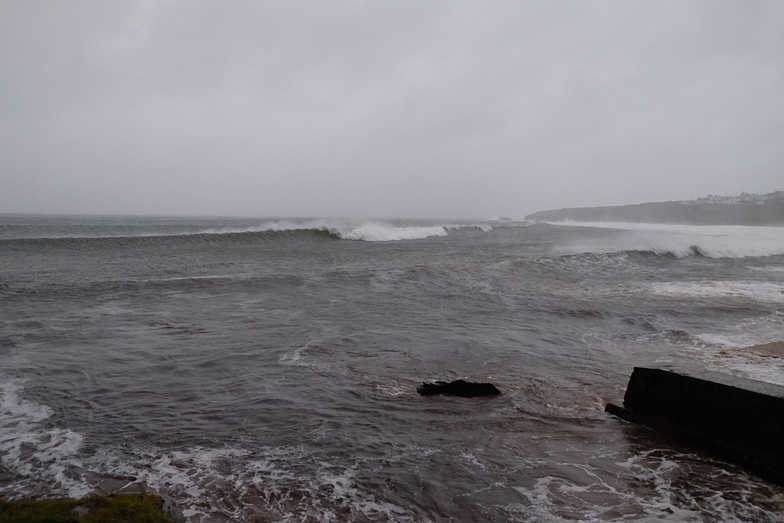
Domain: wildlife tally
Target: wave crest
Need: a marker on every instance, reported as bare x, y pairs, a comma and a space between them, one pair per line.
282, 229
680, 241
370, 231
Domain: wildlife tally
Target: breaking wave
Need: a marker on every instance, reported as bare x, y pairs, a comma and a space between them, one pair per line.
680, 241
769, 292
30, 449
370, 231
365, 231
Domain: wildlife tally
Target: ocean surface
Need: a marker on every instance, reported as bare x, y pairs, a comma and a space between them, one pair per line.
266, 370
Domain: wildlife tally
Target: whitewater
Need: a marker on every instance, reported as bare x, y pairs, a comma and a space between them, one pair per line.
265, 369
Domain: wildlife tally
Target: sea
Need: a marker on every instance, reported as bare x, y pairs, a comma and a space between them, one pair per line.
263, 369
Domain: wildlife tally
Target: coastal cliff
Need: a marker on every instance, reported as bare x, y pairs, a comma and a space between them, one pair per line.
696, 212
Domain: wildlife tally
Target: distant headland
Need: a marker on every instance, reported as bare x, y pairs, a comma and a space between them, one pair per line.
743, 209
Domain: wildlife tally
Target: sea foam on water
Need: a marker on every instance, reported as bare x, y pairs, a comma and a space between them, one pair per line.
267, 368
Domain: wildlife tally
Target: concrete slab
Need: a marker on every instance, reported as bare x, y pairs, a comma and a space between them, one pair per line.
739, 419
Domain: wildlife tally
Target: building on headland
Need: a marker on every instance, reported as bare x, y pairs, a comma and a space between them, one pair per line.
744, 197
715, 198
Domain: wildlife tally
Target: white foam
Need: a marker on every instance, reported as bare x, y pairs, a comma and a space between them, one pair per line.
753, 331
32, 451
288, 480
377, 232
758, 291
369, 231
773, 269
347, 229
642, 492
294, 357
722, 350
393, 389
725, 241
14, 409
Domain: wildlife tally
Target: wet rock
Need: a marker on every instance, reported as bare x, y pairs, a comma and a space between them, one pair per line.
462, 388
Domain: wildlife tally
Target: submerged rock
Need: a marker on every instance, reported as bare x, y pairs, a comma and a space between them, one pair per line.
462, 388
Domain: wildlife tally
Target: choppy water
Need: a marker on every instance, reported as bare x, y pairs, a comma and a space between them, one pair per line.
265, 370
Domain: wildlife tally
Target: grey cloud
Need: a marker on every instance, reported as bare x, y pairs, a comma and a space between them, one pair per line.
392, 109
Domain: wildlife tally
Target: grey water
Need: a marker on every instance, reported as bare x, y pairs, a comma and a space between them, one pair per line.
266, 369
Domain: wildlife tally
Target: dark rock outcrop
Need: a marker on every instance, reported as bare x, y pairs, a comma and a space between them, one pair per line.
462, 388
739, 419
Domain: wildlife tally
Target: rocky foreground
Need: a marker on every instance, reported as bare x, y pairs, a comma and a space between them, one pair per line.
125, 508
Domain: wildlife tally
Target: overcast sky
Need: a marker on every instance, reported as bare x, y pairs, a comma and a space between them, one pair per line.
386, 108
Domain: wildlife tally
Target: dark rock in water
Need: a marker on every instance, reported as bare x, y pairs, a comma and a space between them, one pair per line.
462, 388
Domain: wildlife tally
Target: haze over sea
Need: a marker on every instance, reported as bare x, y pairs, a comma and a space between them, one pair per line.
266, 369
